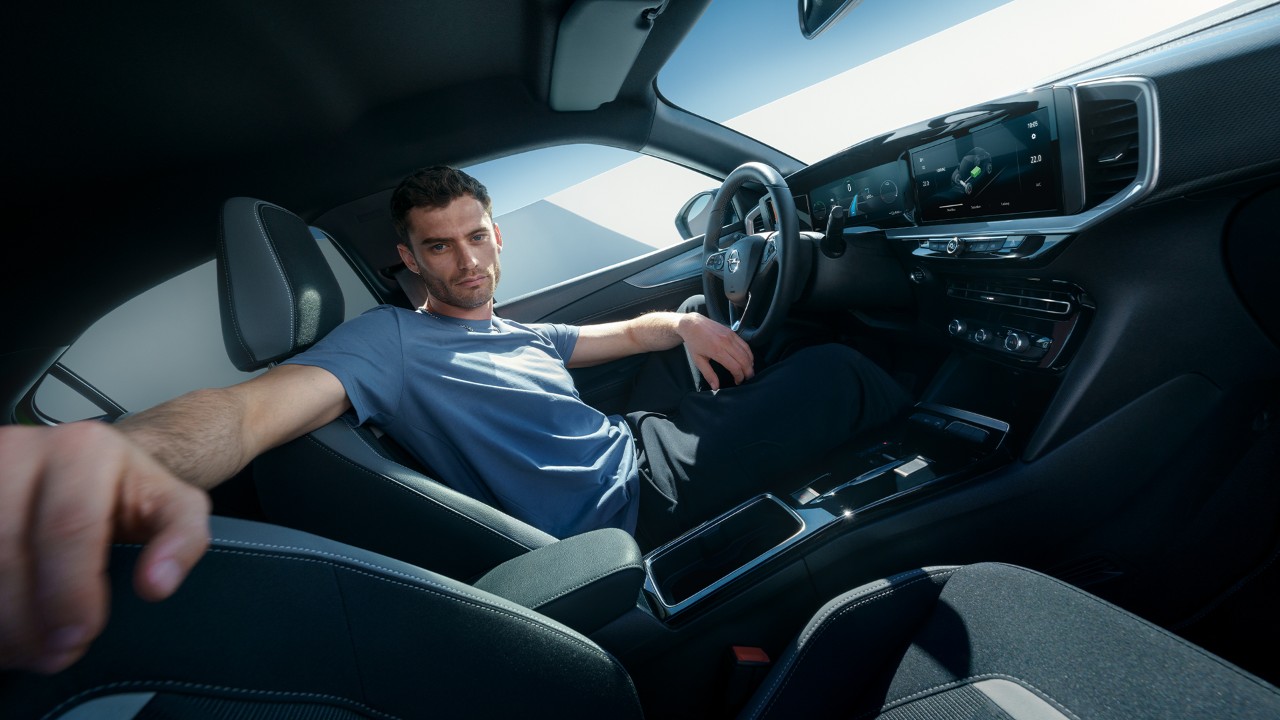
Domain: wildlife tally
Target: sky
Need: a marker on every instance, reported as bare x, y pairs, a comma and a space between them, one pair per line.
784, 61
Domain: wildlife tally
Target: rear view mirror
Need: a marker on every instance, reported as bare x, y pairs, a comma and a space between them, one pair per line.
692, 218
818, 15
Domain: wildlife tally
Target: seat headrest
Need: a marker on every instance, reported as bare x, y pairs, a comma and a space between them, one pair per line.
276, 291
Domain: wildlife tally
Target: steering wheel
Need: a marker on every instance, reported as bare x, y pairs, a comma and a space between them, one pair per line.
751, 281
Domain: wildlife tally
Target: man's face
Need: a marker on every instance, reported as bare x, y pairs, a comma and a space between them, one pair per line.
455, 250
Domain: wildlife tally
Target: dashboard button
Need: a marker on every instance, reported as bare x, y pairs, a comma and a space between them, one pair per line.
1015, 342
981, 335
957, 327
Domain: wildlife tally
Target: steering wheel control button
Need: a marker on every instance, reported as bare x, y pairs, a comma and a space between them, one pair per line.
957, 327
965, 431
715, 262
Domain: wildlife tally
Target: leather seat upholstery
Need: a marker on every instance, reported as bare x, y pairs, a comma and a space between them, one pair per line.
278, 297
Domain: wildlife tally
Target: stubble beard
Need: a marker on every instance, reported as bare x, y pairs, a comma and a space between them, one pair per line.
444, 292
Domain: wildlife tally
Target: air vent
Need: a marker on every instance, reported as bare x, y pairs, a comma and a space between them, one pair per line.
1109, 136
757, 224
1051, 302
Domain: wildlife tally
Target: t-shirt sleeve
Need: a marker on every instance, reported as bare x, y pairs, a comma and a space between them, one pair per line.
365, 354
563, 337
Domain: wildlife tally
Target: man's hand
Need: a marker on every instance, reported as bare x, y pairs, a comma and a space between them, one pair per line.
66, 493
708, 340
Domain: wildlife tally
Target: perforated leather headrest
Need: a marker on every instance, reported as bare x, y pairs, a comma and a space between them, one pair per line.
275, 289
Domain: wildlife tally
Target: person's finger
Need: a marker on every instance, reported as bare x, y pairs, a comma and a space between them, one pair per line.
69, 536
730, 363
20, 639
174, 518
745, 356
704, 367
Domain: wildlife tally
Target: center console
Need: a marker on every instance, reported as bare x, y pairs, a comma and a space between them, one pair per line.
934, 446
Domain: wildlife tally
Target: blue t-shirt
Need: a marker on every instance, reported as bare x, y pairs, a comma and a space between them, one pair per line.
492, 408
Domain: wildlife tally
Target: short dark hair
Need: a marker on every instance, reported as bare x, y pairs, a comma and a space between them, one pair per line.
433, 187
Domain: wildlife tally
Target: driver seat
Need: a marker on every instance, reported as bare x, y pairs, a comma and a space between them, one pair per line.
277, 297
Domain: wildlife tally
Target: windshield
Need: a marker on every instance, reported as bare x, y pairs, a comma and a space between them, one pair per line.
890, 63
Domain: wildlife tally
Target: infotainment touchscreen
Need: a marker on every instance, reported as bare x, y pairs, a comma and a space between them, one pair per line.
1005, 169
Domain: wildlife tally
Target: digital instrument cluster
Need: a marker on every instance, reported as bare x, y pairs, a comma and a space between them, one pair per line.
872, 197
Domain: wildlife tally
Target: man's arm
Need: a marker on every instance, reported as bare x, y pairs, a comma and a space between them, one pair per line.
206, 436
67, 492
705, 339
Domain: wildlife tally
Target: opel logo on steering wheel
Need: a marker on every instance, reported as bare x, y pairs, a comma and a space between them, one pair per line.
732, 260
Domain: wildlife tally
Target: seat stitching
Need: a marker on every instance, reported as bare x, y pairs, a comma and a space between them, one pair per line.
201, 686
880, 591
418, 493
965, 681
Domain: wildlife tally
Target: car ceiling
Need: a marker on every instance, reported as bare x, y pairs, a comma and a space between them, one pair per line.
129, 124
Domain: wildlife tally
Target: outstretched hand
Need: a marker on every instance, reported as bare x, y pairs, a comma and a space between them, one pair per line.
66, 493
708, 340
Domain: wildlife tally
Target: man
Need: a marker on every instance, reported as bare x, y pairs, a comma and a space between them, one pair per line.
487, 402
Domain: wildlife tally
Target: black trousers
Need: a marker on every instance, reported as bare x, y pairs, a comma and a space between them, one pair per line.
705, 452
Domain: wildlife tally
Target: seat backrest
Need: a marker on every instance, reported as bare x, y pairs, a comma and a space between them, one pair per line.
275, 623
278, 297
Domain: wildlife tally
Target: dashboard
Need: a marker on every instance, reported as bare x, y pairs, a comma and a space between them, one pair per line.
1005, 183
1047, 162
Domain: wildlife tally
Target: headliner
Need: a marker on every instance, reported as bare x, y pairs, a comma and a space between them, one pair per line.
130, 124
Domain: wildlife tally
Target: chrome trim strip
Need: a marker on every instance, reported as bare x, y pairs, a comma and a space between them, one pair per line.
977, 296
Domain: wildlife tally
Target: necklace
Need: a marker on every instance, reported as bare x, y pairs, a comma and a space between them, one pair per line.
454, 321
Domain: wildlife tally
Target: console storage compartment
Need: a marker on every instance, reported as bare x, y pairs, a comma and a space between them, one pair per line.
713, 554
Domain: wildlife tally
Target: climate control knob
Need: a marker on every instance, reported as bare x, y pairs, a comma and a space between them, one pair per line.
1015, 342
981, 335
957, 327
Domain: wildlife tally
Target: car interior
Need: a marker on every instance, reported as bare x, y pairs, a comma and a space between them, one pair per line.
1078, 516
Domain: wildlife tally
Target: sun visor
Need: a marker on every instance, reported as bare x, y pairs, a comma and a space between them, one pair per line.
598, 43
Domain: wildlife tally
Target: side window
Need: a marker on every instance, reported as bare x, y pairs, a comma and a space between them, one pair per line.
163, 343
569, 210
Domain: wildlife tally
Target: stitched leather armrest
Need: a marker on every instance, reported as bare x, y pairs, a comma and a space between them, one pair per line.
583, 581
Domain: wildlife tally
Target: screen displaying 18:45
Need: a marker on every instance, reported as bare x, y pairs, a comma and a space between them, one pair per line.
1005, 169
